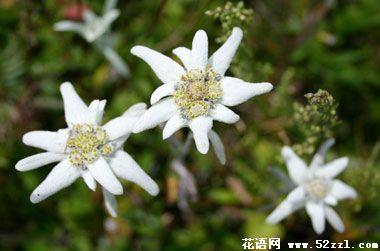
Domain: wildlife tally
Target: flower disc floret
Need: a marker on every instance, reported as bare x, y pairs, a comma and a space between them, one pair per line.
197, 92
318, 188
86, 144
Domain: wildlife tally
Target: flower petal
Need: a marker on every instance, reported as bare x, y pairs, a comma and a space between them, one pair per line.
101, 107
126, 167
110, 202
296, 195
132, 115
89, 15
110, 16
93, 111
75, 108
200, 127
156, 114
109, 5
332, 169
88, 179
217, 144
297, 168
224, 114
130, 118
317, 216
166, 69
236, 91
221, 59
116, 61
119, 142
38, 160
162, 91
334, 219
47, 140
68, 26
282, 211
199, 51
174, 124
120, 126
184, 55
331, 200
319, 157
341, 190
101, 171
61, 176
136, 110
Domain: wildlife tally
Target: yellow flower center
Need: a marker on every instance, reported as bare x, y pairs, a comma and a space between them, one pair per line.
197, 92
86, 144
319, 188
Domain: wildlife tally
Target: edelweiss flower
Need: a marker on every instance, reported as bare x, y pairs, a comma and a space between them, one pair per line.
92, 30
93, 26
317, 189
86, 149
196, 93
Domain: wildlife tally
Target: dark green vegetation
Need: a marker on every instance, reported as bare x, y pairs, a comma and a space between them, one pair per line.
299, 46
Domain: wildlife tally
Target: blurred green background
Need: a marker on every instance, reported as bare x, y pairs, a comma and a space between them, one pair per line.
299, 46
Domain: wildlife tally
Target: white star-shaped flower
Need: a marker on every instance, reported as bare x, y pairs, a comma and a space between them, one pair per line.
86, 149
317, 189
93, 26
195, 94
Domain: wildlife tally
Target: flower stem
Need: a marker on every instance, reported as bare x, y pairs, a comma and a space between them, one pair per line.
187, 188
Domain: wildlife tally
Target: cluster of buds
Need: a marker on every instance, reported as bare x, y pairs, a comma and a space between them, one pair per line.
231, 15
315, 121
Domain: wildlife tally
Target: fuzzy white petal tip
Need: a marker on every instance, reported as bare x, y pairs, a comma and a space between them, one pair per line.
19, 166
280, 212
58, 27
223, 161
235, 119
65, 86
203, 147
200, 33
224, 114
119, 191
286, 152
174, 124
344, 162
125, 167
236, 30
165, 135
200, 127
202, 143
162, 91
271, 220
266, 87
38, 160
26, 138
154, 189
34, 198
136, 50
